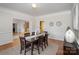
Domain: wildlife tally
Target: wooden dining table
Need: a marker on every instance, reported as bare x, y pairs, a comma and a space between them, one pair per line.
29, 38
32, 38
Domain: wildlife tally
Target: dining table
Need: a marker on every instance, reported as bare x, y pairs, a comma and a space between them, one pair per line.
33, 38
29, 38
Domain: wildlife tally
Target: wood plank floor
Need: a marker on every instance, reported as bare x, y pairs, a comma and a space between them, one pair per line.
50, 41
9, 45
59, 44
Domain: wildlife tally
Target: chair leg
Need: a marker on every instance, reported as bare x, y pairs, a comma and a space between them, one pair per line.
25, 51
44, 45
46, 42
32, 47
21, 50
38, 48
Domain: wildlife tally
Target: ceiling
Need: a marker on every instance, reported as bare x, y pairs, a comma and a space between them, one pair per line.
42, 8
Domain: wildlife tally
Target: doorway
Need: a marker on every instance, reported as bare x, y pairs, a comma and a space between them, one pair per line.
14, 28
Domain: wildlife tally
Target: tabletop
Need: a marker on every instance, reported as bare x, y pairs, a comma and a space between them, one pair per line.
29, 38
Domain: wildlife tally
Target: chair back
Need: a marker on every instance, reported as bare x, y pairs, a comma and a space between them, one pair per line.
46, 35
33, 33
26, 34
41, 38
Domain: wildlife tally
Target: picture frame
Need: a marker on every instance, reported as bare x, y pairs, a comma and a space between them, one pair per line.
51, 24
58, 23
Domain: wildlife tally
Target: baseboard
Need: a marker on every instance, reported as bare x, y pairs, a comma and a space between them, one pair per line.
55, 39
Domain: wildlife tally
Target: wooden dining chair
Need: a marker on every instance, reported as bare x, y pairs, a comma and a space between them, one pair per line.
35, 46
33, 33
41, 42
24, 44
45, 39
26, 34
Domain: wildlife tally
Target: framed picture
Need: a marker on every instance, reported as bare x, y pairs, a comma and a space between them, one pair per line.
51, 24
58, 23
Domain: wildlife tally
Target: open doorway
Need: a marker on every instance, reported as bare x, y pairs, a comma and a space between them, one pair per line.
20, 26
14, 28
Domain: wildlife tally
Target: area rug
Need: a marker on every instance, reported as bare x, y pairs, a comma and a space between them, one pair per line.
49, 50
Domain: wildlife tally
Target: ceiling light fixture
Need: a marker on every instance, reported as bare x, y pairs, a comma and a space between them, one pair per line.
34, 5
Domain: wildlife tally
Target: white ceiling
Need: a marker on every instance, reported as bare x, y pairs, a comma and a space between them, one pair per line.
42, 8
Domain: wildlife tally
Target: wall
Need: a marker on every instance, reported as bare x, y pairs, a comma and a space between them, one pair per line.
54, 31
6, 21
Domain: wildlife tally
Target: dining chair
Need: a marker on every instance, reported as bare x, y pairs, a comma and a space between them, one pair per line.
41, 42
24, 44
26, 34
33, 33
45, 39
35, 46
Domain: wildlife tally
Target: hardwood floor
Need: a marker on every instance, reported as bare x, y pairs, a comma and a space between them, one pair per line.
50, 41
59, 44
9, 45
